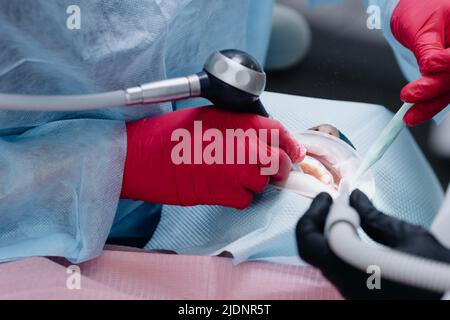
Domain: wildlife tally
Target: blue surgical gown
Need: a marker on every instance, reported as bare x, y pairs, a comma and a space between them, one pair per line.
61, 173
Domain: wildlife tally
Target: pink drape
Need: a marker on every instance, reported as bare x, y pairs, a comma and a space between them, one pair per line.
119, 274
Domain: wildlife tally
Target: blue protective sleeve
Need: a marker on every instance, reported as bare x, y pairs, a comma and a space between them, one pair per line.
259, 26
60, 185
59, 178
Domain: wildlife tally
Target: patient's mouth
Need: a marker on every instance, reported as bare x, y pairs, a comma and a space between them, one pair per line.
329, 159
321, 170
315, 168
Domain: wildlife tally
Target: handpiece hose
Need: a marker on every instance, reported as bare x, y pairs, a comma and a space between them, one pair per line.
154, 92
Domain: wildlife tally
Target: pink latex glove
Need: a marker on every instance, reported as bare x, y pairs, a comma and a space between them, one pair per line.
151, 175
423, 26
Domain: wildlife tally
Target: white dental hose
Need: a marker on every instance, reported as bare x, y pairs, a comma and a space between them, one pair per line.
62, 103
153, 92
341, 230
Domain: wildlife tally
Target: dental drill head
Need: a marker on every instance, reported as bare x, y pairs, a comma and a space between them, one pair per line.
231, 79
234, 80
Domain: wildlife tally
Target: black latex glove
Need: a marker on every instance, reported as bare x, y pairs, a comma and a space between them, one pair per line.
313, 248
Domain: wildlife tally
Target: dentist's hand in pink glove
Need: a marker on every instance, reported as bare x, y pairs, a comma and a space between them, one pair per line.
423, 26
152, 175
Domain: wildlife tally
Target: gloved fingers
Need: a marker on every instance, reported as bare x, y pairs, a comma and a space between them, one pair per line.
437, 63
418, 29
279, 136
318, 211
252, 179
429, 42
282, 166
239, 199
312, 244
377, 225
294, 149
244, 201
425, 111
270, 131
273, 162
227, 185
431, 94
426, 88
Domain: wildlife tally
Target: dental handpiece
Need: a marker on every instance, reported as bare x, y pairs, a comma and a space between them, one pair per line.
383, 142
231, 79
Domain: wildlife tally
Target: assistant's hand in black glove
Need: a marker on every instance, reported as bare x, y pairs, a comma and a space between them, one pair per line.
351, 282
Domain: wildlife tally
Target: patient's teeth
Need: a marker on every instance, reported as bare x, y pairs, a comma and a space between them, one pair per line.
315, 168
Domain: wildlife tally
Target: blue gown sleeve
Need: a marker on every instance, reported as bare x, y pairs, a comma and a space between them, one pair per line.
59, 188
404, 56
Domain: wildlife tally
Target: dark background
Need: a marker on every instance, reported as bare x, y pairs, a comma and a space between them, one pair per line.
340, 67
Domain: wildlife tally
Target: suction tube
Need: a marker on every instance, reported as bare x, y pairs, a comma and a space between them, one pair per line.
341, 230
